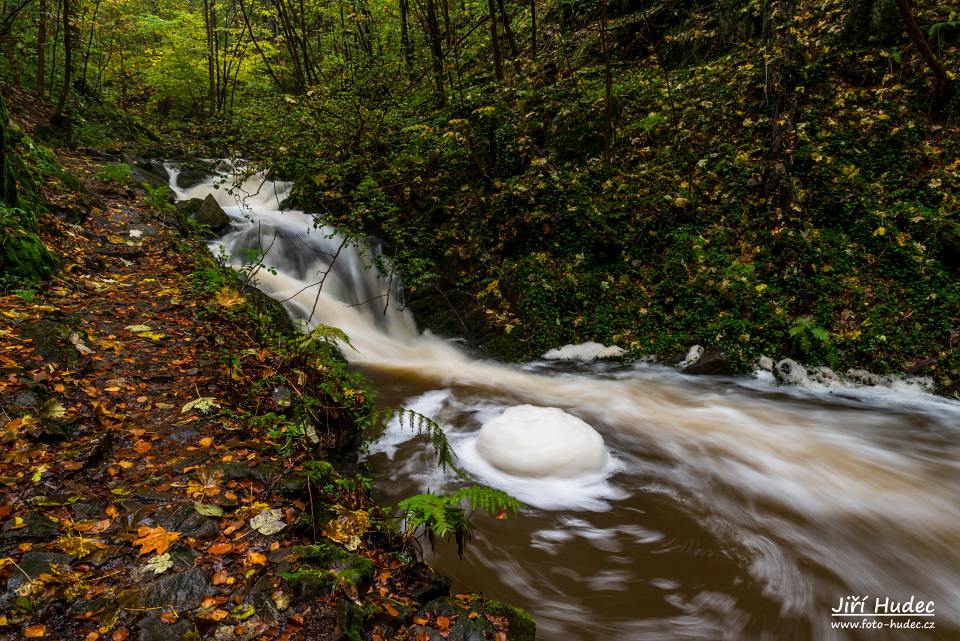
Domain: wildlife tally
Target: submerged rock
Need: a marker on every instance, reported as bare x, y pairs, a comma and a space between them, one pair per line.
712, 361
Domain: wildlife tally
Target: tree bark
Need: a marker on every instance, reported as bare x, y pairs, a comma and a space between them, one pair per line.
533, 29
942, 81
436, 50
494, 39
405, 46
782, 96
40, 83
68, 42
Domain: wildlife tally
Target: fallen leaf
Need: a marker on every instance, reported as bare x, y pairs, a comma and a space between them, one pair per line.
220, 548
208, 510
268, 522
206, 441
160, 563
136, 329
78, 343
255, 558
218, 615
52, 409
204, 404
169, 617
120, 634
228, 297
35, 631
154, 539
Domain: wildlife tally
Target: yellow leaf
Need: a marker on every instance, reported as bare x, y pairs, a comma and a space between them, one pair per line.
35, 631
228, 297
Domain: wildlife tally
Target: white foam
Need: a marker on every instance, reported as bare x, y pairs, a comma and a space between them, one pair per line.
589, 351
541, 442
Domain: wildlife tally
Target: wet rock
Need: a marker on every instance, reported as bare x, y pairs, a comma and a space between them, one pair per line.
88, 510
823, 375
48, 339
199, 526
36, 526
423, 583
790, 371
184, 590
189, 207
240, 471
950, 247
765, 363
693, 355
261, 598
153, 629
864, 377
33, 564
192, 177
393, 622
464, 628
26, 400
711, 361
211, 214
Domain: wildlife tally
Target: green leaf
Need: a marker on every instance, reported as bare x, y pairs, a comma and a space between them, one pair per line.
206, 509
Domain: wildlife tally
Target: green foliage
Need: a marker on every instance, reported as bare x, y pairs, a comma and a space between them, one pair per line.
118, 172
325, 333
443, 516
805, 331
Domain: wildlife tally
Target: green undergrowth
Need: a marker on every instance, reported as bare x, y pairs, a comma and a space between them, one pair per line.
506, 197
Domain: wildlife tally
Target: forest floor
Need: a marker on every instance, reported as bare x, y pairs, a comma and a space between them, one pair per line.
135, 500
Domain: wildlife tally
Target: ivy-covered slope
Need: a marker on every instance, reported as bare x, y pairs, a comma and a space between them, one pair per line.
530, 217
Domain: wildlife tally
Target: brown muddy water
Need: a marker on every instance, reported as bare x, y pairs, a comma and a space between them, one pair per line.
659, 506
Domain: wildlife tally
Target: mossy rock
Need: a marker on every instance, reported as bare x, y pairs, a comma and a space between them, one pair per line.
310, 583
345, 566
522, 625
23, 256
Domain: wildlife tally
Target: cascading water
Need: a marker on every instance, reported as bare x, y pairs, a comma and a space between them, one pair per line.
662, 506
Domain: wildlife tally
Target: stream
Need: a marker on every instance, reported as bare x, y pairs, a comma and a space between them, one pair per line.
659, 505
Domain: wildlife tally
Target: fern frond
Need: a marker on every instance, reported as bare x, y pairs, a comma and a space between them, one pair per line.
486, 499
426, 426
327, 334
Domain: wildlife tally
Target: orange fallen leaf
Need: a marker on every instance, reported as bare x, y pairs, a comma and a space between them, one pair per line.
220, 548
169, 617
35, 631
209, 602
219, 615
255, 558
222, 577
443, 623
142, 447
120, 634
154, 539
206, 441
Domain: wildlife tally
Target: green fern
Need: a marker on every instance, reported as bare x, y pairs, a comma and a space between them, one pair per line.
804, 329
486, 499
442, 515
426, 426
327, 334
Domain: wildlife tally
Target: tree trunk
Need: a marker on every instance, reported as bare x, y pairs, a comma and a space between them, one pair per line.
782, 96
68, 42
405, 47
208, 12
41, 47
8, 182
494, 39
942, 81
533, 29
436, 50
514, 52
